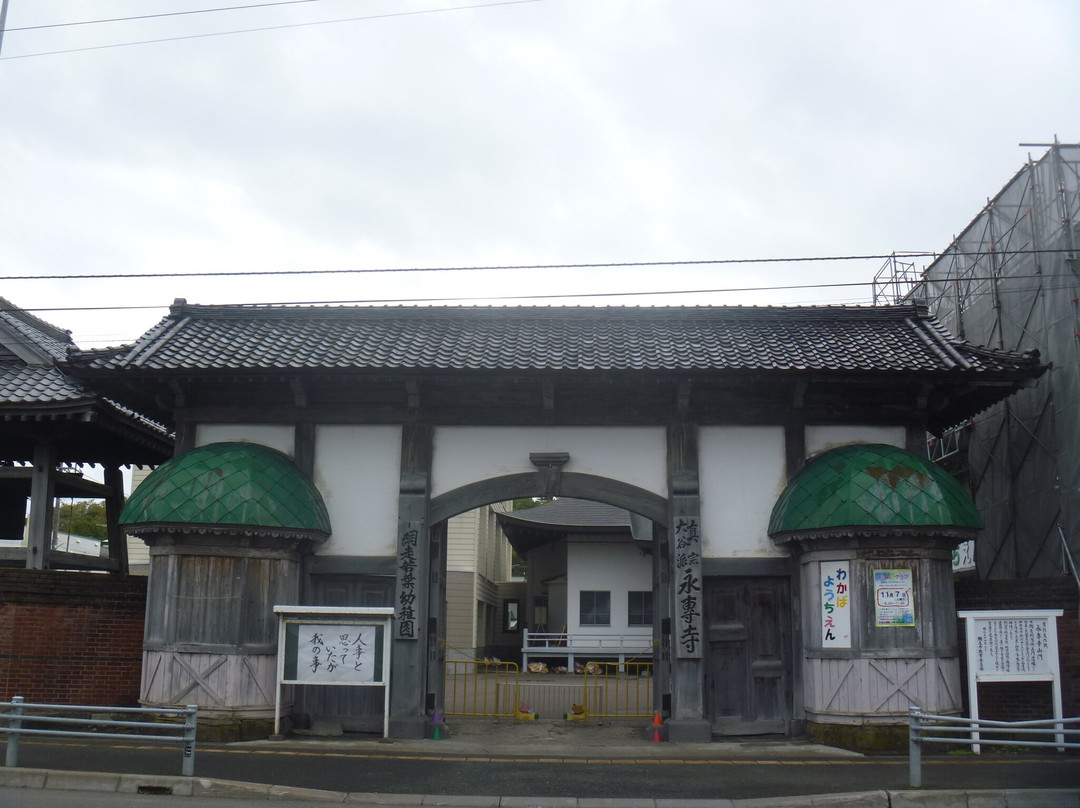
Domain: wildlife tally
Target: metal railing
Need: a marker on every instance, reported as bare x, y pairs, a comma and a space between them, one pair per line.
476, 687
952, 729
618, 690
17, 711
574, 644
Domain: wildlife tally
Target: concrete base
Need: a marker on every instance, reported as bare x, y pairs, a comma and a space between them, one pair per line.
413, 728
685, 730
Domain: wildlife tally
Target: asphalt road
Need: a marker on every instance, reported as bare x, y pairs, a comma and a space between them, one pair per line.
411, 772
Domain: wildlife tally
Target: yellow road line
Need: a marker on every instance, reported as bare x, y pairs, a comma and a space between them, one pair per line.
867, 761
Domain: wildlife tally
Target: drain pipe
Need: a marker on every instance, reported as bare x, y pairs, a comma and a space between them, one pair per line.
1068, 556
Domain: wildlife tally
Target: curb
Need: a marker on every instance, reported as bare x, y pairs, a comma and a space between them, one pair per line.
206, 787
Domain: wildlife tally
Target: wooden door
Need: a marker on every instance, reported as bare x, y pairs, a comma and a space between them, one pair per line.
357, 709
749, 667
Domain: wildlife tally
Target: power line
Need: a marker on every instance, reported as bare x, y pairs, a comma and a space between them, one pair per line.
514, 267
548, 296
269, 28
156, 16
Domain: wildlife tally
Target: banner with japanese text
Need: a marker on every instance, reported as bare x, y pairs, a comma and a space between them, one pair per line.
835, 604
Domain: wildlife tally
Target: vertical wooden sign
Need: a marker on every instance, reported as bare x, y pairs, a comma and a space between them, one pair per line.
687, 588
406, 622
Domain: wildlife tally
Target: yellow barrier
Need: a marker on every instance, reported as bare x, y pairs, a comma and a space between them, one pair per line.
618, 690
476, 687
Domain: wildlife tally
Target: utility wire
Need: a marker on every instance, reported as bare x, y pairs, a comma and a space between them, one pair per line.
548, 296
157, 16
516, 267
268, 28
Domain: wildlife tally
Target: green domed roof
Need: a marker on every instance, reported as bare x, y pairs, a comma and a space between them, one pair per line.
226, 484
872, 485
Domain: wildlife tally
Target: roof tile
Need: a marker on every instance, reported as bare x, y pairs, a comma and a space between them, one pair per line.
816, 338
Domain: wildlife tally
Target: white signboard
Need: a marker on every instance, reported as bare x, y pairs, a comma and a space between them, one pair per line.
894, 604
963, 557
333, 653
1015, 648
1012, 646
328, 645
835, 604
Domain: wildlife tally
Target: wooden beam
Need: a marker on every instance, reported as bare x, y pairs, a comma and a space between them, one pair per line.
114, 503
304, 448
179, 399
299, 392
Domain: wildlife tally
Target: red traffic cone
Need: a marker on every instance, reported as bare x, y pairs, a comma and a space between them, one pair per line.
656, 735
656, 720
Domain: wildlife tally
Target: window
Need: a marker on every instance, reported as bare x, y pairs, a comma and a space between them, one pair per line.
595, 609
639, 608
511, 615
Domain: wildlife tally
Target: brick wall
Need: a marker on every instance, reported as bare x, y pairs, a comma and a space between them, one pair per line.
70, 637
1018, 701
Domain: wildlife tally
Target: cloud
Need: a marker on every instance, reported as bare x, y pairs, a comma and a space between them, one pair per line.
546, 132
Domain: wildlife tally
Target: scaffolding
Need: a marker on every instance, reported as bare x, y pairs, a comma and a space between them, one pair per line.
1011, 281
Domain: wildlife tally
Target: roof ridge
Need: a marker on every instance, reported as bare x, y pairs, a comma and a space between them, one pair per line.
181, 309
34, 322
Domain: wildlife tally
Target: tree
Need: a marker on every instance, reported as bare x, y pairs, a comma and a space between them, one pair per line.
530, 502
83, 517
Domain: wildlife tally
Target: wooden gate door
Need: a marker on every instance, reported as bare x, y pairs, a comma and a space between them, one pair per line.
357, 709
748, 678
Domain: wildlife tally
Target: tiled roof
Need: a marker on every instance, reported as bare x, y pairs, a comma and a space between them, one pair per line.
22, 384
34, 385
872, 485
28, 372
818, 338
222, 484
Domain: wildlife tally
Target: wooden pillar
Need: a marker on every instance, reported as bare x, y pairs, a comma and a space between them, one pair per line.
685, 596
114, 503
436, 647
411, 629
661, 562
42, 502
185, 438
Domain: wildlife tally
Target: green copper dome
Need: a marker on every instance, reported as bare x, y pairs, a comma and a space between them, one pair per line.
872, 485
228, 484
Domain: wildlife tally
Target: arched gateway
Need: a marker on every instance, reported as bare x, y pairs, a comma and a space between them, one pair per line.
695, 418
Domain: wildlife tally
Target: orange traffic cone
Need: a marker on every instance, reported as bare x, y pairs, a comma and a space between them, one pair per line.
657, 722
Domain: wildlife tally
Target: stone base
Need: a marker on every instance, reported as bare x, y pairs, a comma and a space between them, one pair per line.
685, 730
874, 739
231, 730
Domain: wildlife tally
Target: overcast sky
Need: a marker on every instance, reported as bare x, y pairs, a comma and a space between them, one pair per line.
427, 133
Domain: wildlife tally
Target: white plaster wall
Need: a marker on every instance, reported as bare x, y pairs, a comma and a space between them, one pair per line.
634, 455
822, 438
358, 469
742, 473
615, 567
277, 436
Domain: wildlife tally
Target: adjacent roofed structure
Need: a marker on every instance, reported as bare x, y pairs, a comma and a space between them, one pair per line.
47, 418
